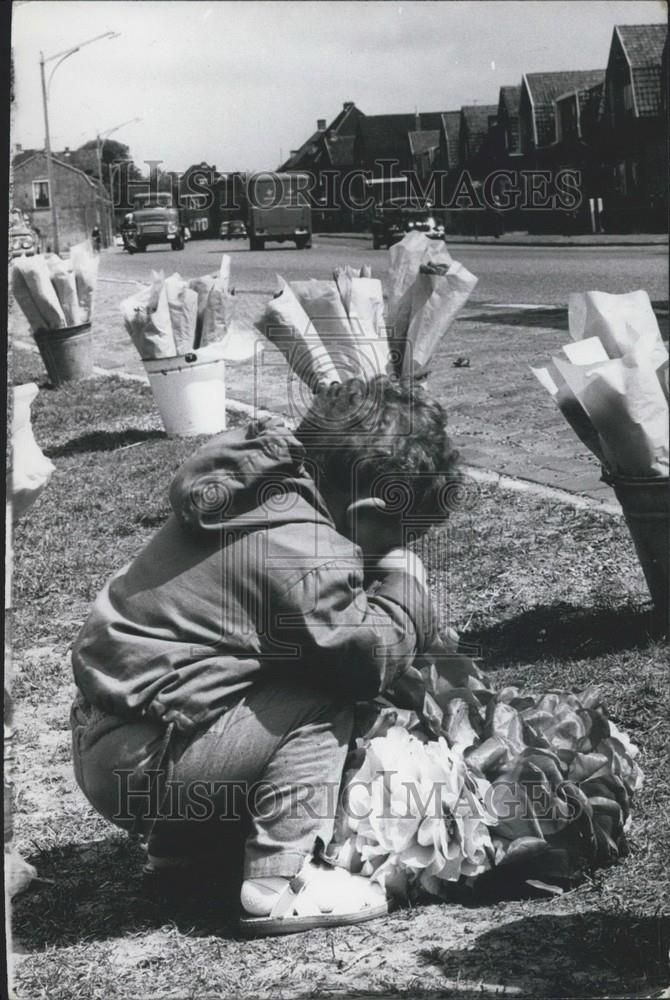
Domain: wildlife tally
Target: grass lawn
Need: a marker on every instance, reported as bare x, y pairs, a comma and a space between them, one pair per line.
548, 595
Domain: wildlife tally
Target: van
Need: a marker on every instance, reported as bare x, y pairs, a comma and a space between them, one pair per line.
278, 210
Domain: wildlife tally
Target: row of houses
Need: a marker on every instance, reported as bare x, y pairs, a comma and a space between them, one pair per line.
608, 124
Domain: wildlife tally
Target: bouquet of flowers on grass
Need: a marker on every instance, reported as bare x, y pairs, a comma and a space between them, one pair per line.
482, 788
332, 330
171, 316
612, 383
54, 293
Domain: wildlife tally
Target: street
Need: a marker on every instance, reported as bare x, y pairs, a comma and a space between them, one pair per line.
507, 274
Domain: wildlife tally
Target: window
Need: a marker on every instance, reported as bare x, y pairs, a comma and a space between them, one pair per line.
567, 117
41, 194
628, 98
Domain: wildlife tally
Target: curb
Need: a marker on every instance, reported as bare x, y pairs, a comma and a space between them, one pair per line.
502, 242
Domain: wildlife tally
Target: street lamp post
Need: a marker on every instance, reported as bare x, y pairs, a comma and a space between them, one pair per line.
100, 142
61, 57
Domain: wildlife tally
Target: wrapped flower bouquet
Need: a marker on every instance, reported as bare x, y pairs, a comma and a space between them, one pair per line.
171, 317
54, 293
332, 330
611, 386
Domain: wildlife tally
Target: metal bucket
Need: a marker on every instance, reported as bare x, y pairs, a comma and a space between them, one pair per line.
645, 505
190, 392
67, 353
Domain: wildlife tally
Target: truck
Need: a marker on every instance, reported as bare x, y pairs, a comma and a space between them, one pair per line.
278, 210
153, 220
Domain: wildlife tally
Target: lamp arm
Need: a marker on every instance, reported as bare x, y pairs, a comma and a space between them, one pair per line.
61, 60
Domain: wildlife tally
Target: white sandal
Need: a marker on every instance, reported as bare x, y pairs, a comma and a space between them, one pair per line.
320, 897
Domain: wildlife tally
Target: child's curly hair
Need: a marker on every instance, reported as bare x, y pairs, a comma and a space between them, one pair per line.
385, 438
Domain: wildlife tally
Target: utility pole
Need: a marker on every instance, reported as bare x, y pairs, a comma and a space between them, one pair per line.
61, 57
47, 149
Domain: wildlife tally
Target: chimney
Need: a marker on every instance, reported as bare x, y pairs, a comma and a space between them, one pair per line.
348, 105
66, 152
321, 124
292, 152
417, 121
19, 147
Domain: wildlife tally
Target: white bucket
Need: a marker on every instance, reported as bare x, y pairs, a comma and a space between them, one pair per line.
190, 392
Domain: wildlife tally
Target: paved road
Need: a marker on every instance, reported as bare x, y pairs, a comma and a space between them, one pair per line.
545, 275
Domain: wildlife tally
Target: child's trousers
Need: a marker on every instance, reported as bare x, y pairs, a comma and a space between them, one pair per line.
274, 759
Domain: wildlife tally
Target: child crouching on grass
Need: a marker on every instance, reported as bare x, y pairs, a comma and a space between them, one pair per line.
231, 651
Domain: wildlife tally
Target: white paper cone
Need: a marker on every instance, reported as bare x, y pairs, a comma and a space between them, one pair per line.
65, 285
31, 469
183, 306
286, 324
24, 300
85, 266
217, 314
585, 352
146, 315
436, 301
625, 402
622, 322
323, 305
202, 286
366, 315
37, 284
570, 407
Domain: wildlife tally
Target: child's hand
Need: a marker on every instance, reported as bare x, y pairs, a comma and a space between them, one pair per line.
404, 560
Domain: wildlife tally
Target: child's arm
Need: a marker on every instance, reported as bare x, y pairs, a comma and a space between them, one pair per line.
353, 641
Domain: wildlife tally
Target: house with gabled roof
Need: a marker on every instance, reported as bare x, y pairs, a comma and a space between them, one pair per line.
477, 125
328, 155
634, 137
537, 105
322, 145
81, 201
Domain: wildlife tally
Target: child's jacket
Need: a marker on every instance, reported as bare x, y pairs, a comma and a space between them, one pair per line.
247, 577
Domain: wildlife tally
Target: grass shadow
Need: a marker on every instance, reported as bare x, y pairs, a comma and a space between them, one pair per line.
94, 891
561, 631
104, 441
586, 954
556, 319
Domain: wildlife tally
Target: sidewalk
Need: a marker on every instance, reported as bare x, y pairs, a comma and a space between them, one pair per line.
528, 240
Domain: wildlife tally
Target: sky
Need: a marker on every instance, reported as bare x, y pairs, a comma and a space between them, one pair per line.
239, 84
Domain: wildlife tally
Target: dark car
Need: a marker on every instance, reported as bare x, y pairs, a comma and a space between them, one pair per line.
233, 230
23, 239
393, 219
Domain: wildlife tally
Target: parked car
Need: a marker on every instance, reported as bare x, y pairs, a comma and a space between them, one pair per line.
23, 239
395, 218
233, 230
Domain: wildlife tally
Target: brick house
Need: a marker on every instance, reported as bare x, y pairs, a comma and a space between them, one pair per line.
328, 155
476, 138
559, 115
634, 134
537, 107
79, 197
